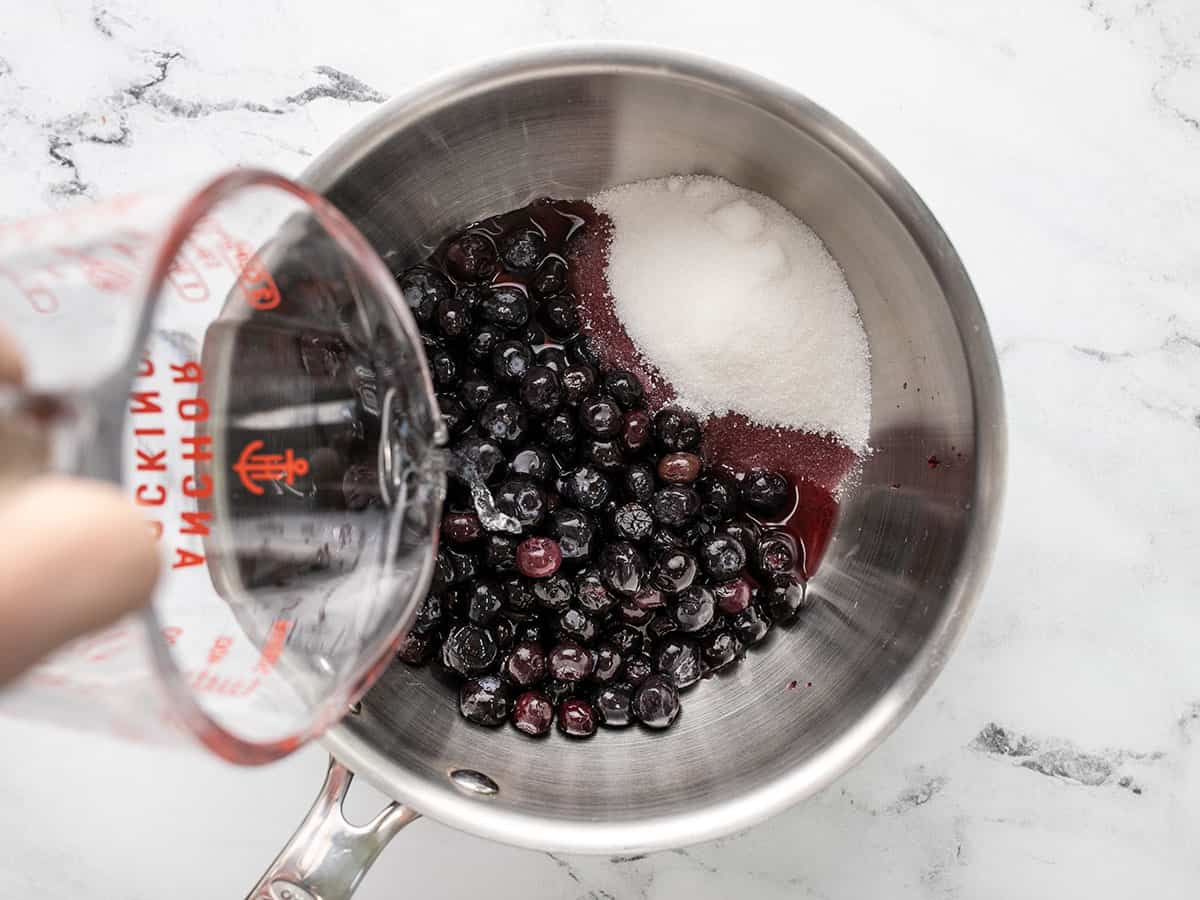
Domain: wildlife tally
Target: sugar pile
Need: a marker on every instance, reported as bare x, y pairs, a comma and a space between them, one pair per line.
738, 305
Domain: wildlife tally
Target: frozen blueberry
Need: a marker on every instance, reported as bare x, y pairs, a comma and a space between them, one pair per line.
576, 533
613, 704
500, 552
601, 417
719, 649
533, 713
635, 433
593, 597
484, 700
570, 661
750, 625
695, 609
511, 361
679, 468
503, 421
578, 382
576, 718
586, 486
560, 316
416, 649
522, 250
656, 702
522, 499
624, 387
623, 568
453, 318
784, 598
541, 391
776, 554
471, 257
483, 342
577, 625
723, 557
554, 359
485, 601
554, 593
627, 640
678, 658
719, 496
767, 494
607, 456
469, 650
674, 570
559, 431
675, 505
505, 306
423, 289
676, 430
538, 557
535, 463
732, 596
476, 393
632, 522
639, 483
550, 277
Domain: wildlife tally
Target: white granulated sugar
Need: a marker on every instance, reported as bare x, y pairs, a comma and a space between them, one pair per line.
739, 305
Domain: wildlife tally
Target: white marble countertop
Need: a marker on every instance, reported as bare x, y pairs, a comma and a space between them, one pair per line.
1059, 143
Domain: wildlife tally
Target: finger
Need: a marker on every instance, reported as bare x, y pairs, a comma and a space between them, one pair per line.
12, 370
74, 556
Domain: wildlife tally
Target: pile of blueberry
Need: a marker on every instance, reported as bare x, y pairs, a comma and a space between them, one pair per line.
636, 570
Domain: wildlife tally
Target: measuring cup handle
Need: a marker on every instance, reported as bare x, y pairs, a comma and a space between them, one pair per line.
327, 857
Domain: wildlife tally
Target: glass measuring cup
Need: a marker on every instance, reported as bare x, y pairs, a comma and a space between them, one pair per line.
238, 359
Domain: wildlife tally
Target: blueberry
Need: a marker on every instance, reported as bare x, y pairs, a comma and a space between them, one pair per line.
608, 662
586, 486
471, 294
532, 630
674, 570
453, 318
679, 468
639, 483
649, 597
719, 497
560, 431
533, 334
636, 432
613, 704
522, 499
560, 316
504, 421
584, 350
632, 521
656, 702
675, 505
767, 494
429, 616
423, 289
443, 572
471, 257
661, 627
676, 430
500, 552
638, 667
522, 250
719, 649
535, 463
526, 664
444, 370
485, 601
627, 640
483, 342
570, 661
784, 598
723, 557
665, 539
484, 700
533, 713
732, 596
511, 361
576, 624
538, 557
776, 554
476, 393
554, 359
553, 594
558, 690
576, 718
678, 658
623, 568
750, 625
416, 649
463, 565
600, 416
469, 650
550, 277
594, 598
624, 387
541, 391
455, 415
505, 306
745, 532
575, 532
519, 602
606, 456
695, 609
578, 380
505, 633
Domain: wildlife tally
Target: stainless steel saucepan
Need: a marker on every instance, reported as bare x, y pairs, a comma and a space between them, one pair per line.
913, 541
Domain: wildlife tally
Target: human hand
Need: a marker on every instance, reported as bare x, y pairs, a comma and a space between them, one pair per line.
75, 556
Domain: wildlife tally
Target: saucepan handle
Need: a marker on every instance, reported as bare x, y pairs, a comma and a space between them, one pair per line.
327, 857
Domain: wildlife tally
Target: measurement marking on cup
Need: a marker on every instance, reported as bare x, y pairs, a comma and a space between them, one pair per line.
254, 468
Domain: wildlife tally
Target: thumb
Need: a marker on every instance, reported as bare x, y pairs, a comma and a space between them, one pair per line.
74, 556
